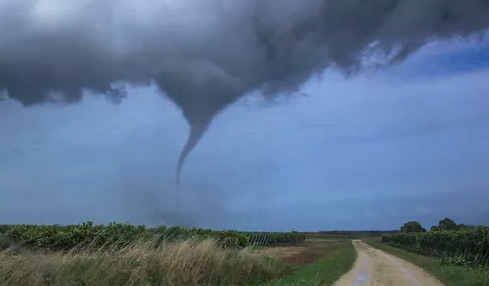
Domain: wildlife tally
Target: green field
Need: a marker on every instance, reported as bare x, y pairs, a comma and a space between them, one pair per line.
122, 254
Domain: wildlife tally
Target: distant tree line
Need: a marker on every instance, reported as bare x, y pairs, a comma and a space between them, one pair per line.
444, 224
355, 232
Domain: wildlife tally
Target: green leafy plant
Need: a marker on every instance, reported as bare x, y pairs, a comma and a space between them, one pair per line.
89, 235
457, 247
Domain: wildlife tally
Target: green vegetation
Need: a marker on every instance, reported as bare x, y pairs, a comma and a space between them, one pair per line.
122, 254
344, 234
459, 247
447, 224
88, 235
450, 275
324, 271
412, 226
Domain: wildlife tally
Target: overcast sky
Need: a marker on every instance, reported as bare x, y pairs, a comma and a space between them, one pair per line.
370, 151
367, 152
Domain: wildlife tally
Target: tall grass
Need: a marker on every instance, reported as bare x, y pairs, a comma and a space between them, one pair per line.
189, 262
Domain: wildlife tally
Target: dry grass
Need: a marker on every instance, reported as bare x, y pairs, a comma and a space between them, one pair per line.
190, 262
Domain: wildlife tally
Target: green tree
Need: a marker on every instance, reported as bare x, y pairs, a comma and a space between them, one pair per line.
466, 226
435, 228
447, 224
412, 226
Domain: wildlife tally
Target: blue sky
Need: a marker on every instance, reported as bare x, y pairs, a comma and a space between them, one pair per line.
367, 152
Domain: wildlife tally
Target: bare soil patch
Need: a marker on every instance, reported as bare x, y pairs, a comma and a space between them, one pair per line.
306, 253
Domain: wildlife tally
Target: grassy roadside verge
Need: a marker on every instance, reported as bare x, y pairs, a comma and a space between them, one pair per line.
324, 271
447, 274
188, 262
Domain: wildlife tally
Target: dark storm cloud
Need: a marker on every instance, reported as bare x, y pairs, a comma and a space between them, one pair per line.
207, 54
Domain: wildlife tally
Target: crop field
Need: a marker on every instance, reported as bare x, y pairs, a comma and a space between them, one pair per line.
88, 235
459, 247
123, 254
344, 234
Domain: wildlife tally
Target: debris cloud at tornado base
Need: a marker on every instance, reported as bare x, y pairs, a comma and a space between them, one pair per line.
205, 55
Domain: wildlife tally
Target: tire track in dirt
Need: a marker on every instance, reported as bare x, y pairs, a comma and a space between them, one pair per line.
374, 267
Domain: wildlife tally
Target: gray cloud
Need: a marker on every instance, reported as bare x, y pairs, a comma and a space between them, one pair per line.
206, 55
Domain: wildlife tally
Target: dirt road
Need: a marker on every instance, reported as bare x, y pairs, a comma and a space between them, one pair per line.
377, 268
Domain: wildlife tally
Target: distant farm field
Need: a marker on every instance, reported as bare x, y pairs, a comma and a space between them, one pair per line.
302, 254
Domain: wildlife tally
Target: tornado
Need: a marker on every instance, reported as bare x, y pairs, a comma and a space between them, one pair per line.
195, 133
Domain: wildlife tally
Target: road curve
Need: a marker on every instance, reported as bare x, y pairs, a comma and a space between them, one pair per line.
374, 267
